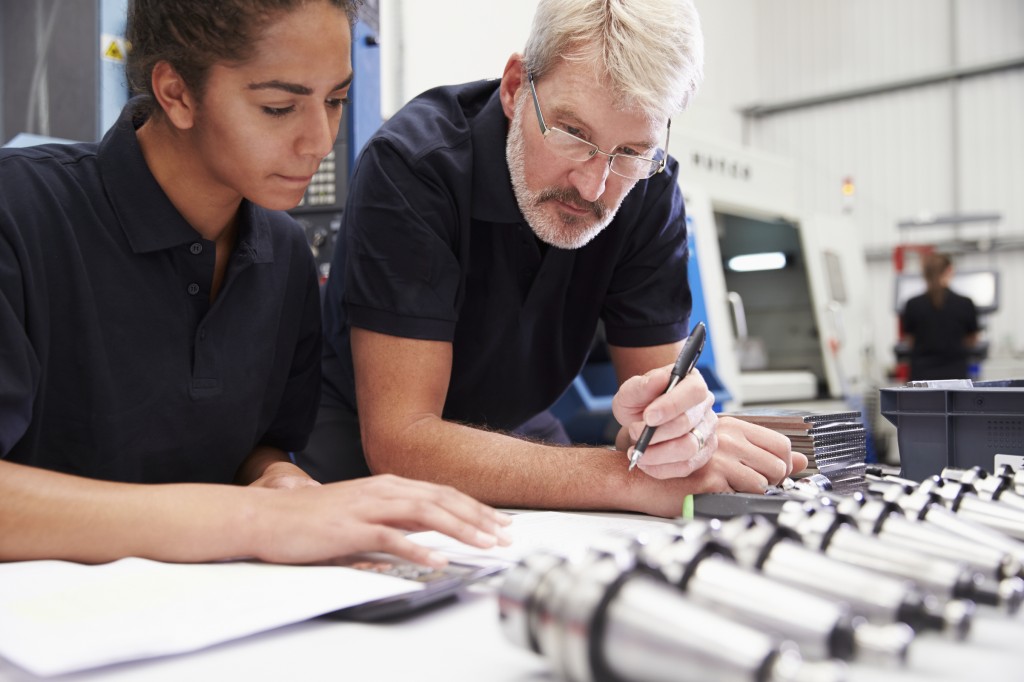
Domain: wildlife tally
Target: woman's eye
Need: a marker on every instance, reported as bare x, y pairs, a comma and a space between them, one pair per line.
278, 111
337, 102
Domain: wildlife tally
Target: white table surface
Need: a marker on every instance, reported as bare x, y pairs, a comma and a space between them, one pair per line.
462, 641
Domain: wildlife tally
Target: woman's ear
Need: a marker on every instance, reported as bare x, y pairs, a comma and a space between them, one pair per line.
173, 95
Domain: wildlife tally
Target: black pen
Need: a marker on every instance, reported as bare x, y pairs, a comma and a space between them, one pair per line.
684, 363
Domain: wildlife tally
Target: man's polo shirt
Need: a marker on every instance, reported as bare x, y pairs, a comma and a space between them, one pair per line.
434, 246
113, 362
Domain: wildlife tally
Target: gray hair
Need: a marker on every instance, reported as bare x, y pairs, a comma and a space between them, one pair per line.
652, 51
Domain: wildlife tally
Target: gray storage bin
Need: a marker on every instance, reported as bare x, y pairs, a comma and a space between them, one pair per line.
956, 427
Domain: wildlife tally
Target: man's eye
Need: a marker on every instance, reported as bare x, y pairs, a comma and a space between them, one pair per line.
574, 131
629, 151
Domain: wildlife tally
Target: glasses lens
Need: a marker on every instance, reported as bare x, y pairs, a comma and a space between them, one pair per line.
569, 146
637, 167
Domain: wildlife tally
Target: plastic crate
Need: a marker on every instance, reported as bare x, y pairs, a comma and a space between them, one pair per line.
955, 427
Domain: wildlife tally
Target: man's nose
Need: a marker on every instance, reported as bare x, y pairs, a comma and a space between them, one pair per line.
590, 176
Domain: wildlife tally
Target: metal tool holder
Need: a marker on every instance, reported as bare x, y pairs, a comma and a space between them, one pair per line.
702, 567
823, 528
604, 619
833, 579
778, 553
922, 504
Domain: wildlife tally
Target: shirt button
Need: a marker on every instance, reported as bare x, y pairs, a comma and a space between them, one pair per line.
196, 248
193, 289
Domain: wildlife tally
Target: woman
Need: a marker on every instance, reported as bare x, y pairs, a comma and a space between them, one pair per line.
159, 317
940, 326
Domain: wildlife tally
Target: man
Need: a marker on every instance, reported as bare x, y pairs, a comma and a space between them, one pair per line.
489, 228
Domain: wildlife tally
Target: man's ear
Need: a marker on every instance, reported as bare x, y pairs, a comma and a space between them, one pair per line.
512, 80
173, 95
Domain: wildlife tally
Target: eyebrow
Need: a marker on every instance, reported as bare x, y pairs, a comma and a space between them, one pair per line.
295, 88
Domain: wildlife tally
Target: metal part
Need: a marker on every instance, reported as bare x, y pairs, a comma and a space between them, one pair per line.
964, 500
602, 619
885, 519
776, 552
821, 526
994, 487
920, 504
699, 564
1015, 477
999, 489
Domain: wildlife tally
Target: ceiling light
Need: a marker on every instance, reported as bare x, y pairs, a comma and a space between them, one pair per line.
755, 262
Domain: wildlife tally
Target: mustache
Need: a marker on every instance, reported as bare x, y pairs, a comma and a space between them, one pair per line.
571, 196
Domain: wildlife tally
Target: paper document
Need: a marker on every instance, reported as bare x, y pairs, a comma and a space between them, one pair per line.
58, 617
569, 534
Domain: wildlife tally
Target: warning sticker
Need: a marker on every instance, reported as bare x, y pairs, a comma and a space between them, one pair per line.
113, 48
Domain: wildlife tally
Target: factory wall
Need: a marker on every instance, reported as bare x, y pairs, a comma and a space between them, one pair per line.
954, 146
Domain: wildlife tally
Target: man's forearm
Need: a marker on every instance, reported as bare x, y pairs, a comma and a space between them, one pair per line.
506, 471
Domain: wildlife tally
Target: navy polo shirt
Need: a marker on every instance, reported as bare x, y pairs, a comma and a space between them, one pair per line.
435, 247
939, 351
113, 362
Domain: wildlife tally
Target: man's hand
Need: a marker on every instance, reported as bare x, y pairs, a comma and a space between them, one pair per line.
674, 451
736, 455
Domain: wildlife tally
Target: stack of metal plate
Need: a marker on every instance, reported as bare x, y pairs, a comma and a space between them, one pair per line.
835, 443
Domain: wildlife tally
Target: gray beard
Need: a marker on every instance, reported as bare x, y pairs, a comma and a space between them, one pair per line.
557, 229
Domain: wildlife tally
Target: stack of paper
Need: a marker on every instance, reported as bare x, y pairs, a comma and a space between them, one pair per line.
835, 443
58, 617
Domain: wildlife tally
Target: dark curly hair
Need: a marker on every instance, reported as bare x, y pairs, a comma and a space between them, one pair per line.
192, 35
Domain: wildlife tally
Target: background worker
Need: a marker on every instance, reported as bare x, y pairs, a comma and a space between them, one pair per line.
940, 326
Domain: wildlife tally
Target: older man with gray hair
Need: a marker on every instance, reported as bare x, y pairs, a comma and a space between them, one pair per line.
490, 227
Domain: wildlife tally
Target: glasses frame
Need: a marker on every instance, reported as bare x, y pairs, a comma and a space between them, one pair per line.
594, 149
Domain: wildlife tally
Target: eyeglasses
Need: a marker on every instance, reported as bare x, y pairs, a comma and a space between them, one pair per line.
568, 146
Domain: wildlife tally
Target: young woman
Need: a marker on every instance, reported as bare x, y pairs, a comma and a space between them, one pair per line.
940, 325
159, 315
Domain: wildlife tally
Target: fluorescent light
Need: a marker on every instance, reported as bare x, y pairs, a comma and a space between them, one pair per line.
754, 262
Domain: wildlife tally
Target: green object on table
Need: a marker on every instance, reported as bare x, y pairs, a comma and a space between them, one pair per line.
688, 507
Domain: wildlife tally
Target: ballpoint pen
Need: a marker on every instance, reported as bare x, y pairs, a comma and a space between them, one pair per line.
684, 363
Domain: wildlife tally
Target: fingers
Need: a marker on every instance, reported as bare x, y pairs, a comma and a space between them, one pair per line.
643, 398
750, 458
762, 450
689, 397
765, 440
680, 454
744, 479
799, 462
681, 467
700, 416
417, 505
401, 546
